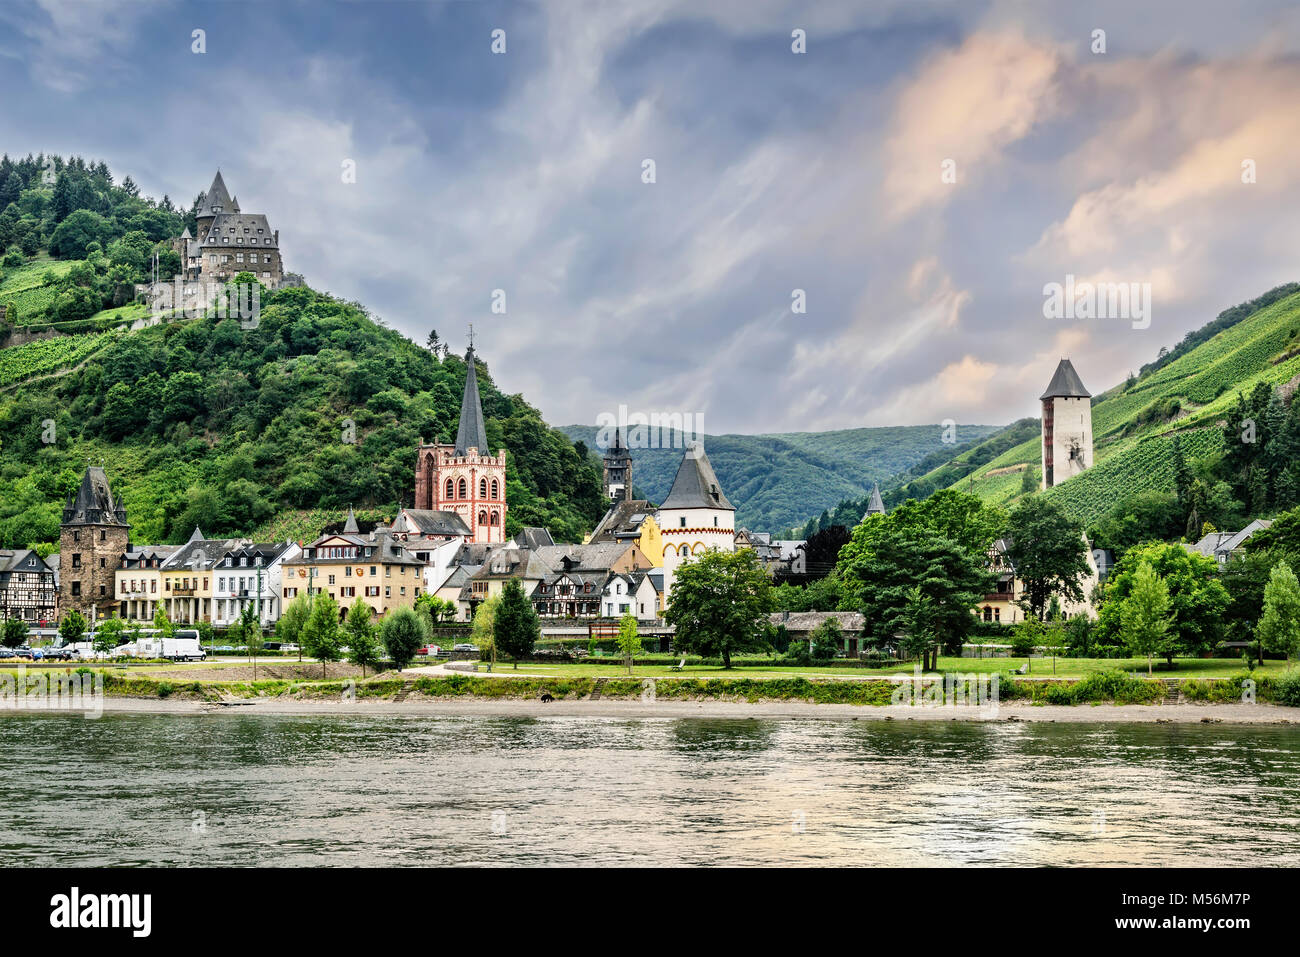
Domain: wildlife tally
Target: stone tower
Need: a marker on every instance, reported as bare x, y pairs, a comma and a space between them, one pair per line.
465, 478
93, 538
1067, 426
695, 517
618, 470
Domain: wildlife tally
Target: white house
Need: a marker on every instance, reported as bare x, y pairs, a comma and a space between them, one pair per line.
250, 574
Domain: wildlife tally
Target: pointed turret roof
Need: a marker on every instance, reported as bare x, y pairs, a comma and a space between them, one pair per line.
196, 536
877, 505
93, 503
186, 234
350, 526
696, 485
472, 433
1066, 383
216, 195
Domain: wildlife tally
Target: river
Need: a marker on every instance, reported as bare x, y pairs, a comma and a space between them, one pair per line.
418, 790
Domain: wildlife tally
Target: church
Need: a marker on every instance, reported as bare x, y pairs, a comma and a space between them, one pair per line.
465, 478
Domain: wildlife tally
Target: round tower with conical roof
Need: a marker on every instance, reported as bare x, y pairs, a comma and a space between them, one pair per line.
1067, 426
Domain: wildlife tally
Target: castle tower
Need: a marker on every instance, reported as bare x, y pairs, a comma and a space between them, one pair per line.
695, 516
212, 204
1067, 426
93, 538
465, 478
618, 470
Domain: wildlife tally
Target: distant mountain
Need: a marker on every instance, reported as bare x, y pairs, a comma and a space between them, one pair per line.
780, 480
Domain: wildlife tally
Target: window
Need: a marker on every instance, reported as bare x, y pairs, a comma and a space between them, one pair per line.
102, 535
239, 257
240, 240
496, 519
482, 488
683, 521
494, 488
76, 589
464, 489
266, 275
482, 518
451, 489
685, 551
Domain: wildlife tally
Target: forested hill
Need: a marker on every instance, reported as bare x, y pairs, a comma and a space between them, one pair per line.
203, 423
776, 481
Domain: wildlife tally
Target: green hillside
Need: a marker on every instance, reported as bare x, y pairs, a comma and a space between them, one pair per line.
1187, 393
776, 480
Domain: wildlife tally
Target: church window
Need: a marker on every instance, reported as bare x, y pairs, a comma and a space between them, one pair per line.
494, 488
482, 488
496, 518
451, 489
683, 521
482, 518
715, 521
464, 489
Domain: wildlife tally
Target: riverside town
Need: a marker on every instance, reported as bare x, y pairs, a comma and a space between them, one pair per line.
358, 511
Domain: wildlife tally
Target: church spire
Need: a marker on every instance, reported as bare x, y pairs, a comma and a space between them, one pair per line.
472, 433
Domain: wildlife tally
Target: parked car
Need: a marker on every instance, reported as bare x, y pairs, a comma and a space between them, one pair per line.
430, 650
7, 653
58, 654
464, 647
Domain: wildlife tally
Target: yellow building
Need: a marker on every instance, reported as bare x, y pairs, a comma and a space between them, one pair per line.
347, 566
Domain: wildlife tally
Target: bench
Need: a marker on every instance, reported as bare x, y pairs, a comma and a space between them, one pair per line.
679, 666
1022, 670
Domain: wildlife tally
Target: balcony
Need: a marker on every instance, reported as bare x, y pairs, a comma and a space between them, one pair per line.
179, 591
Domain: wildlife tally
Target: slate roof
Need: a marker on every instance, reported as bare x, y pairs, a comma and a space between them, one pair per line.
232, 227
623, 520
696, 485
199, 553
425, 521
93, 504
534, 537
215, 195
471, 433
15, 559
1066, 384
593, 556
877, 505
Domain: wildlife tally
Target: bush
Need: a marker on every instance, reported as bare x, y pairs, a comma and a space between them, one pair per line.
1286, 690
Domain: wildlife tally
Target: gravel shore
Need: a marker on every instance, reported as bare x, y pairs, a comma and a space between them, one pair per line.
785, 710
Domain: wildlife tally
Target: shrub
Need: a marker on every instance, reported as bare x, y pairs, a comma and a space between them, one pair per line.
1286, 690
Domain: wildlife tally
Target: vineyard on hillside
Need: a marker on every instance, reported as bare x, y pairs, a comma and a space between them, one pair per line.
48, 355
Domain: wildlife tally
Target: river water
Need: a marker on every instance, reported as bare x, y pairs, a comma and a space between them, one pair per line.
417, 790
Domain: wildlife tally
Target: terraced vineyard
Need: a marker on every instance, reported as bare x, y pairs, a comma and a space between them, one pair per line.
27, 291
1132, 436
48, 355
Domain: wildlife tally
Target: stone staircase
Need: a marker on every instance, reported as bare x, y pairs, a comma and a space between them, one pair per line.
407, 687
595, 692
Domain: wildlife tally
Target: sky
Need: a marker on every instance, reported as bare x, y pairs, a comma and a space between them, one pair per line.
921, 172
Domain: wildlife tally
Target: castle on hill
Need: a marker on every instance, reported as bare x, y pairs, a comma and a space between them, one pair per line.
228, 241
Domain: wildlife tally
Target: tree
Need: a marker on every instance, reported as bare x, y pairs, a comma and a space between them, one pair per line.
109, 635
72, 627
402, 632
515, 628
827, 640
320, 634
916, 622
719, 604
161, 623
1029, 480
14, 634
881, 574
288, 630
1048, 552
629, 640
1198, 600
250, 632
1279, 625
363, 646
1145, 614
482, 630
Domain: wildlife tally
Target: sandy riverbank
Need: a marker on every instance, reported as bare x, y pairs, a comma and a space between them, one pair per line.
784, 710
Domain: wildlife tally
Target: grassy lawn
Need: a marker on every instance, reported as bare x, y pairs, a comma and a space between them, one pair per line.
1040, 668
